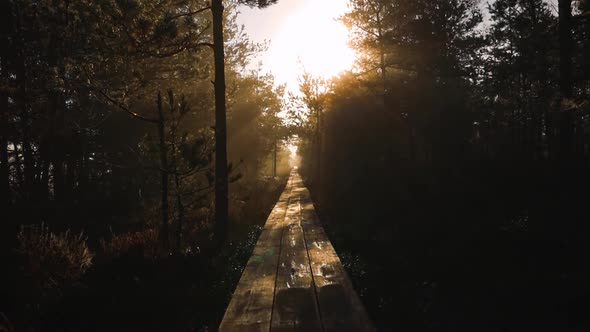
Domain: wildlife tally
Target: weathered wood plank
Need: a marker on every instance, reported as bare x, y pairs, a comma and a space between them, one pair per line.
340, 306
251, 304
295, 306
250, 308
277, 214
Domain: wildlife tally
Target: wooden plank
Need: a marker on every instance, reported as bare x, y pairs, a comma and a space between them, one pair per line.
277, 214
341, 308
295, 306
250, 308
251, 304
270, 237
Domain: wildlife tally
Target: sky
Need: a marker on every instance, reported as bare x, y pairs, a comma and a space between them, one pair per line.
301, 33
305, 33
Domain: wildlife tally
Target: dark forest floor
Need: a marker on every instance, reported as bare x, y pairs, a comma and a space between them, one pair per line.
502, 251
187, 292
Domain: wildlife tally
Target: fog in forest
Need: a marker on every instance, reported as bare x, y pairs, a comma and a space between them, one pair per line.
146, 145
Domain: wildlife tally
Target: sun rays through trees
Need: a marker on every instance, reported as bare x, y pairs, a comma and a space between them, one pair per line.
445, 145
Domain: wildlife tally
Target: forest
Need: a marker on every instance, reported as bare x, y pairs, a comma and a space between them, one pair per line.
142, 149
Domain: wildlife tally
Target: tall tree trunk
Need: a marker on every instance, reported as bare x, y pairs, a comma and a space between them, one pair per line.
543, 120
221, 172
380, 42
18, 162
6, 29
164, 240
274, 160
565, 78
56, 148
27, 157
83, 167
318, 147
180, 210
84, 163
565, 47
5, 199
43, 182
175, 169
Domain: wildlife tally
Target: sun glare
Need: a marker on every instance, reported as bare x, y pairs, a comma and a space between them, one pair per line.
311, 38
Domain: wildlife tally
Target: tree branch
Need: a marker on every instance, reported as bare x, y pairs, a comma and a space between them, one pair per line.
125, 108
195, 12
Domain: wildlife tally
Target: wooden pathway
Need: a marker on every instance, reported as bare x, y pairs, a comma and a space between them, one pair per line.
294, 280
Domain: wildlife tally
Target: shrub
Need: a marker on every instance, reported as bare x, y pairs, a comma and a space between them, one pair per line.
143, 243
53, 259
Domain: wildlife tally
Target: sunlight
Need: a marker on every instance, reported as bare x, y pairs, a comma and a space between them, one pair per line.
292, 147
293, 155
311, 38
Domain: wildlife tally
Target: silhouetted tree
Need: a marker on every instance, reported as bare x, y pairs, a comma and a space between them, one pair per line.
566, 130
520, 67
221, 167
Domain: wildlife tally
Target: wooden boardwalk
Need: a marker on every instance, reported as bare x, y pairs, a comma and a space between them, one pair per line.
294, 280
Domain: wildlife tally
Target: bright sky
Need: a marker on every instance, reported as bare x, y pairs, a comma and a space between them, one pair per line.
304, 32
301, 33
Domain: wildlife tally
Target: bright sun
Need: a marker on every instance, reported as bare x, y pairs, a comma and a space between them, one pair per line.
311, 38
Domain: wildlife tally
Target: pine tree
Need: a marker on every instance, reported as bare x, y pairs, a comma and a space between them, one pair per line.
221, 167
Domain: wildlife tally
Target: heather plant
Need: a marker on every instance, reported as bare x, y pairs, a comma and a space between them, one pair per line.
52, 259
143, 243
